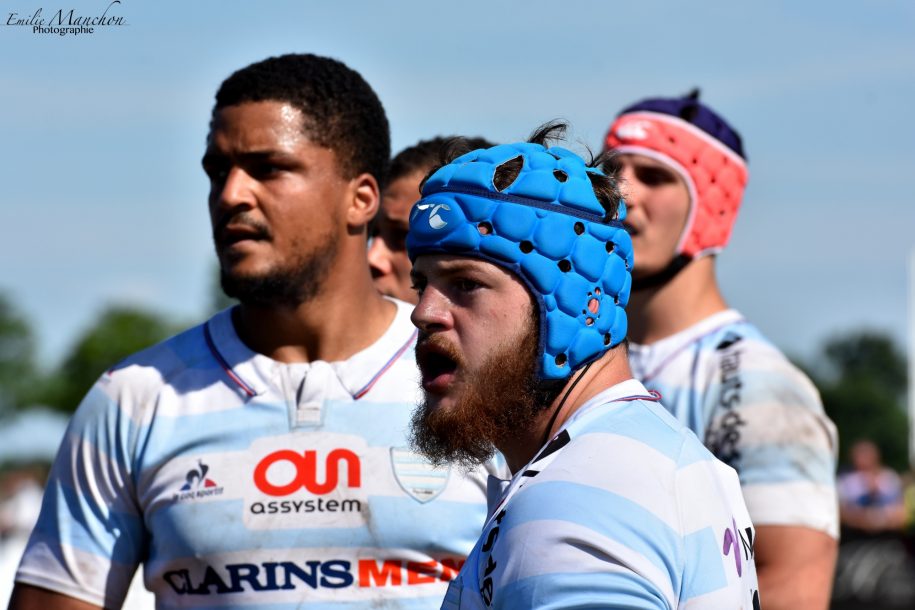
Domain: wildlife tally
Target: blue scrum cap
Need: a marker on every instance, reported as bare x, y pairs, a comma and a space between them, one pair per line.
547, 227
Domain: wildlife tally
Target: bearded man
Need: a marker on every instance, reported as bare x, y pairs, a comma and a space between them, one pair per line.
523, 272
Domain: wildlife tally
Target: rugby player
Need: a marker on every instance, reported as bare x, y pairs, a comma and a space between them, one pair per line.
522, 269
683, 171
387, 250
261, 460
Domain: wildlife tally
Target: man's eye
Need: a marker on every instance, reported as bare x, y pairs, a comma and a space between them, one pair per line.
216, 173
654, 176
466, 285
264, 170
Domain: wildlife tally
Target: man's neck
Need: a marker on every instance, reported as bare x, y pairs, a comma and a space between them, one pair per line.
345, 317
687, 298
586, 383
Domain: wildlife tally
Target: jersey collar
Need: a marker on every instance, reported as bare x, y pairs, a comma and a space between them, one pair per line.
253, 374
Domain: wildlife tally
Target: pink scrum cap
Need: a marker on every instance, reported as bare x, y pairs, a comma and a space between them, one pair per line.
699, 145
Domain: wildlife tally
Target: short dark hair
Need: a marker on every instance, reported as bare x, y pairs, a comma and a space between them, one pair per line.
341, 111
427, 154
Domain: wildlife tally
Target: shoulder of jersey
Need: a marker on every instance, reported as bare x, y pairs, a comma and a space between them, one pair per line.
151, 368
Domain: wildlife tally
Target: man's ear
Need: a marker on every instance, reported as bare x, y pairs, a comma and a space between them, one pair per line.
364, 202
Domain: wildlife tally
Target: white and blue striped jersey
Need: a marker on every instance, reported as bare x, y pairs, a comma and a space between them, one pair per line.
239, 481
755, 411
624, 508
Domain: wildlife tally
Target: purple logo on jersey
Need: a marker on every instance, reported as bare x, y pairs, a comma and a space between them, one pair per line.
730, 542
738, 541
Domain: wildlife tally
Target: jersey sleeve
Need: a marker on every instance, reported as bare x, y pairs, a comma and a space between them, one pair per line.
768, 423
90, 537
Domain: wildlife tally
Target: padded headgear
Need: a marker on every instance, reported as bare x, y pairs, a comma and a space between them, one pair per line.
699, 145
548, 228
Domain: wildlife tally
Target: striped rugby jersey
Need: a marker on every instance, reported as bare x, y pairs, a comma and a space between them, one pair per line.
240, 481
755, 411
624, 508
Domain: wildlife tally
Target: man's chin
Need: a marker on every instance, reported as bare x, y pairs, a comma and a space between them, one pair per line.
442, 431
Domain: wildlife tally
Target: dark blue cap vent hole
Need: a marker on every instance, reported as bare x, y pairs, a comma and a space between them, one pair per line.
561, 360
607, 339
589, 321
565, 266
609, 247
526, 247
579, 228
560, 175
484, 228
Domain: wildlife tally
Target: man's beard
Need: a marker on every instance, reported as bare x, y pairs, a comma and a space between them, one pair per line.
297, 281
502, 397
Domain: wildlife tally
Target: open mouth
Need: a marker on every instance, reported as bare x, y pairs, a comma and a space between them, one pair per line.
438, 365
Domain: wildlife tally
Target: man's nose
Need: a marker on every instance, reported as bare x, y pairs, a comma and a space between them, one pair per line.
379, 256
236, 190
431, 312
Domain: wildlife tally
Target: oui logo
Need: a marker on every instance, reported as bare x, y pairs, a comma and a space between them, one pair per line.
272, 474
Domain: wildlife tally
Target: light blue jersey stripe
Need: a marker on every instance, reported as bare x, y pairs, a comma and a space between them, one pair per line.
619, 519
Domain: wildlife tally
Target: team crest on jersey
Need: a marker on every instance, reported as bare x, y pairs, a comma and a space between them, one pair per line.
421, 480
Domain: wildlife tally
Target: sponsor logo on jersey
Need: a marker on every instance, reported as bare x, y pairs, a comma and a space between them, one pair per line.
487, 588
197, 484
316, 482
741, 542
310, 574
417, 476
305, 465
724, 439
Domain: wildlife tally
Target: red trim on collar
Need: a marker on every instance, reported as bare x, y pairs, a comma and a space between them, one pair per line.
359, 394
225, 365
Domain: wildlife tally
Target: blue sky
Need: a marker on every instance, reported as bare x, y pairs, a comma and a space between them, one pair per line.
104, 199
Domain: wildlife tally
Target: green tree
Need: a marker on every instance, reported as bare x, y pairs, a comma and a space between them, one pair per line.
862, 379
119, 332
17, 358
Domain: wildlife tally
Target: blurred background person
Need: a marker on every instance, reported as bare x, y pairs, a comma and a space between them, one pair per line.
387, 251
870, 495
